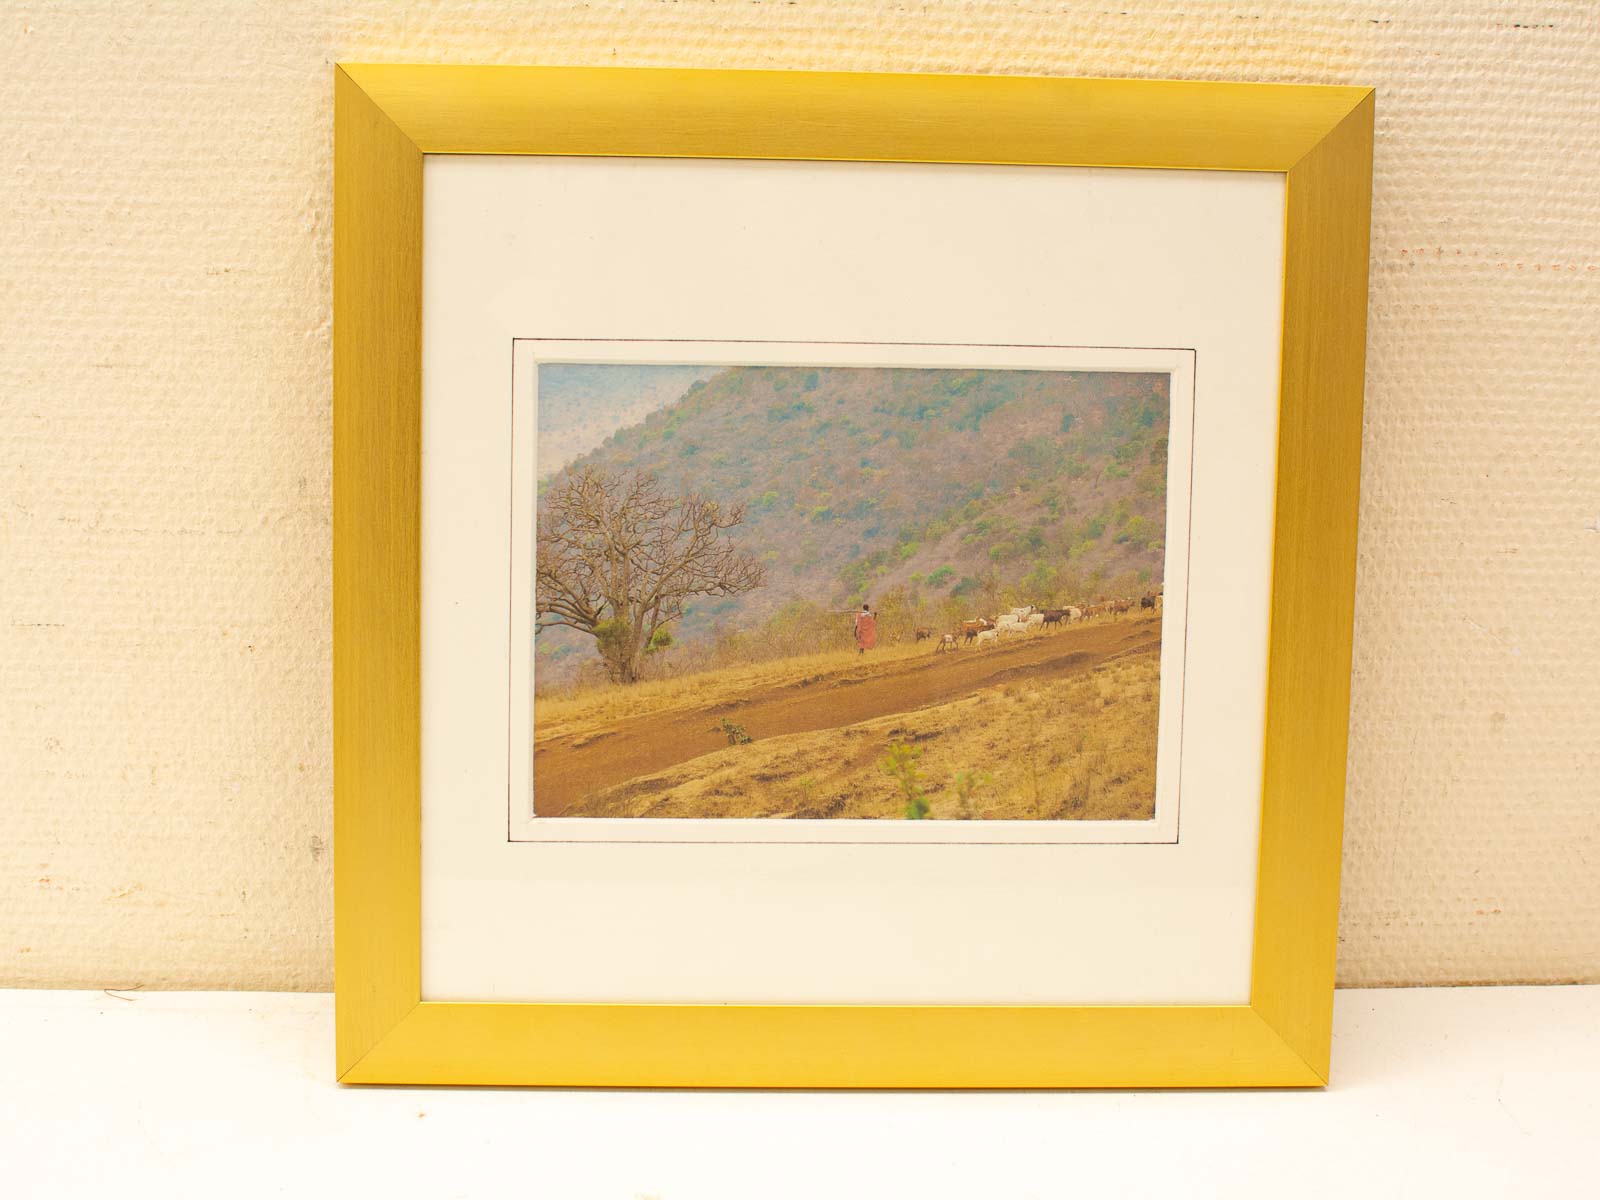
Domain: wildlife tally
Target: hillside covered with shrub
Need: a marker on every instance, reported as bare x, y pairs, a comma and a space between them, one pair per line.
948, 491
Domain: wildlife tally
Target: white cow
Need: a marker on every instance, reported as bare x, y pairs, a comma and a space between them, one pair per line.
987, 636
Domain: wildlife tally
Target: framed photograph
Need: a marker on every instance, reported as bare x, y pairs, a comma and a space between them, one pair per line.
842, 580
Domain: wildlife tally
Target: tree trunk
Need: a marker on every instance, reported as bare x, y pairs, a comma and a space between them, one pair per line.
625, 654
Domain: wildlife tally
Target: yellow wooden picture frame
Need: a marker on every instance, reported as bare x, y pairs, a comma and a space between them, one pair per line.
386, 118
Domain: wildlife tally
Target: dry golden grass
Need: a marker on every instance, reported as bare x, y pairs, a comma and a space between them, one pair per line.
1081, 747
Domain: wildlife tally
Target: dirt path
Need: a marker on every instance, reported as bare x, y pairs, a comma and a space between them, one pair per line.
567, 769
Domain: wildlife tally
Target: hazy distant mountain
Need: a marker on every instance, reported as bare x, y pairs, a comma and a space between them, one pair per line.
861, 480
581, 403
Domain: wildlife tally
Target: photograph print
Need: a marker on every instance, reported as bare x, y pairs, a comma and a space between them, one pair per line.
814, 592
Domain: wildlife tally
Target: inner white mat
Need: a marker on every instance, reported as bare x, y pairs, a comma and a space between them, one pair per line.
588, 249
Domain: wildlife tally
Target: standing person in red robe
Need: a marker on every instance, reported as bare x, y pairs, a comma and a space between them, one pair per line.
866, 630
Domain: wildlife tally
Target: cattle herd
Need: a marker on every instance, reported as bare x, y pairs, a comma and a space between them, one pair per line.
982, 631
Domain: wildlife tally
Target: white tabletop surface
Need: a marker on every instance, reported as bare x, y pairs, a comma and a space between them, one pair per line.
1436, 1092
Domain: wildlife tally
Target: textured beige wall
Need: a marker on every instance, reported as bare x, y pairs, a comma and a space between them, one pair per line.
164, 447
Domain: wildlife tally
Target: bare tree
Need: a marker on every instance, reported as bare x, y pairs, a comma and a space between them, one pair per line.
618, 557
